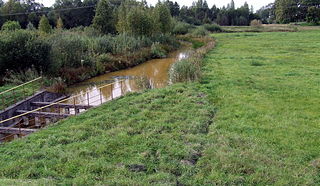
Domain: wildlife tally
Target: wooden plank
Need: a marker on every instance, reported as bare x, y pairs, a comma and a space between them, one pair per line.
59, 99
60, 105
7, 130
44, 114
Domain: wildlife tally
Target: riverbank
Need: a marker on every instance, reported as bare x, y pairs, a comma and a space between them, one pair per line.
252, 119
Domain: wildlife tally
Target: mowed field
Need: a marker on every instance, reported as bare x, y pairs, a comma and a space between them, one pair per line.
254, 118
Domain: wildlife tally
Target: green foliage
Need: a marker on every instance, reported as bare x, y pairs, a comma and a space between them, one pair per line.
59, 23
184, 71
124, 43
213, 27
157, 51
11, 26
69, 50
44, 26
21, 49
140, 22
30, 26
313, 15
22, 76
181, 28
162, 18
104, 20
200, 32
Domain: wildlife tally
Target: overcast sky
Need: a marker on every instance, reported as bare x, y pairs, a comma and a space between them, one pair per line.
257, 4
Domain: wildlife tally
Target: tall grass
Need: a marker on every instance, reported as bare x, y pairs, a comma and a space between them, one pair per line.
189, 70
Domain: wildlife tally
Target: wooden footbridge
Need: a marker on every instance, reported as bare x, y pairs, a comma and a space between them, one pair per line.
43, 108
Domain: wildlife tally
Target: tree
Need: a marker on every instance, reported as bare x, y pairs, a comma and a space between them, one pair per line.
44, 25
59, 23
140, 22
10, 26
13, 7
266, 13
232, 5
122, 23
104, 20
163, 18
313, 15
78, 13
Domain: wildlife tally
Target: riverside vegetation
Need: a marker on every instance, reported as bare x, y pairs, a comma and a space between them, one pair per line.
251, 119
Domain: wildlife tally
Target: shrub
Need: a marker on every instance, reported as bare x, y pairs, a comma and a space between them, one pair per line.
181, 28
11, 26
256, 23
103, 44
200, 32
166, 39
21, 49
157, 51
123, 43
184, 70
19, 77
70, 51
30, 26
213, 27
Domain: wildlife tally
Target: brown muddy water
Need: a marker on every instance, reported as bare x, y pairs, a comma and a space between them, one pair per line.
154, 72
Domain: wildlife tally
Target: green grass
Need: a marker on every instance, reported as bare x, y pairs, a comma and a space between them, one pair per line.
266, 131
158, 129
252, 120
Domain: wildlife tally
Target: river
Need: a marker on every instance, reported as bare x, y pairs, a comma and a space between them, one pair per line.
155, 72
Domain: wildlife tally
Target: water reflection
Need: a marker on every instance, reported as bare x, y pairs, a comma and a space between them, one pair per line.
155, 71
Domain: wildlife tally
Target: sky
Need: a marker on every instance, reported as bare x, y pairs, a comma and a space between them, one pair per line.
257, 4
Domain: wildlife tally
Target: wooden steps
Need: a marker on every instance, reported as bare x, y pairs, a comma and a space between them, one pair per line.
44, 114
24, 131
61, 105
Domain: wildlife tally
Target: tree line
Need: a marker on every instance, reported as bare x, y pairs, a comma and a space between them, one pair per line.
72, 12
286, 11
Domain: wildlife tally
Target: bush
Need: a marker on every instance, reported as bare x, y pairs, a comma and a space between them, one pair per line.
19, 77
157, 51
70, 50
11, 26
103, 44
124, 43
213, 27
181, 28
21, 49
166, 39
200, 32
256, 23
183, 71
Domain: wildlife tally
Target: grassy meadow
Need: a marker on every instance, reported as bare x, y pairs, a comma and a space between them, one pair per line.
253, 119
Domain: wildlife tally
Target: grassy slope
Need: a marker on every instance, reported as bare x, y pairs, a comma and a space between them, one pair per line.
157, 129
265, 88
